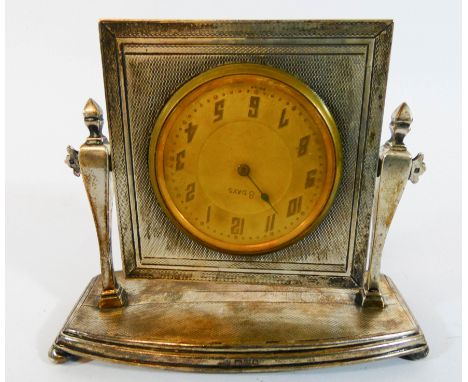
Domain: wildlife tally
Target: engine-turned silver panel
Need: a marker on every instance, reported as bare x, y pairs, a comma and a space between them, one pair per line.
345, 63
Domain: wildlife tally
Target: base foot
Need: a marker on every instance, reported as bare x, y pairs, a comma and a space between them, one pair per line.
370, 299
418, 355
115, 298
59, 356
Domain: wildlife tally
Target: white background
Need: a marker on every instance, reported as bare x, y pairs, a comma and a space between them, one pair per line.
53, 65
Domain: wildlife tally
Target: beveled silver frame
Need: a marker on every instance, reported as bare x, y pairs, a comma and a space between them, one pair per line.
123, 40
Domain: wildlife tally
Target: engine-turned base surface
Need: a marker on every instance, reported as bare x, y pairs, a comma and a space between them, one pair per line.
212, 326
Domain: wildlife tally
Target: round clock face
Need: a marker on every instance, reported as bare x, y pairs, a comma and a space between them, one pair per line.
245, 158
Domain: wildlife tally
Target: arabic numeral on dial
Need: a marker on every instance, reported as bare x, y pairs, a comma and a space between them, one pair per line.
179, 160
294, 206
218, 110
283, 121
237, 226
190, 130
270, 223
253, 106
208, 214
310, 178
190, 195
303, 145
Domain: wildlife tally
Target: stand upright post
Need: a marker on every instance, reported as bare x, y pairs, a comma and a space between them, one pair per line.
93, 162
395, 168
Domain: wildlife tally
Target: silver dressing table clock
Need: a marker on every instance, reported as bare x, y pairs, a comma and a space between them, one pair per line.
252, 197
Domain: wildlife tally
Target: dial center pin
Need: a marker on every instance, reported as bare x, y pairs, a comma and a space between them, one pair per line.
243, 170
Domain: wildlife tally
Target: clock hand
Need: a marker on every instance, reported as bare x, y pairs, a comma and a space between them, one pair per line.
244, 170
266, 198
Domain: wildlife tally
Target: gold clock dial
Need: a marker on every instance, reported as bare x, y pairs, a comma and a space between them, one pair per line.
245, 159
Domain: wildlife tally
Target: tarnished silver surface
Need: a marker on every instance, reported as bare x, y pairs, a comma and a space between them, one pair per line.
345, 63
395, 168
94, 159
325, 250
215, 326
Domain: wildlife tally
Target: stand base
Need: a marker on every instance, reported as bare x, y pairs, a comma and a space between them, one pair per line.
202, 326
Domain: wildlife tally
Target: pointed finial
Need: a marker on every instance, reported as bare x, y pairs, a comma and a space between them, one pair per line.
402, 114
92, 109
400, 124
93, 118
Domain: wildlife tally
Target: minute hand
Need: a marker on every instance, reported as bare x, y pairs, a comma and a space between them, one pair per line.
263, 195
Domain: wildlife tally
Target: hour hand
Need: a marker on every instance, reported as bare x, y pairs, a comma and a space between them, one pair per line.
244, 170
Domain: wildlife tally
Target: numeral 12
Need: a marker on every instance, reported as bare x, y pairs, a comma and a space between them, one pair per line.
237, 226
